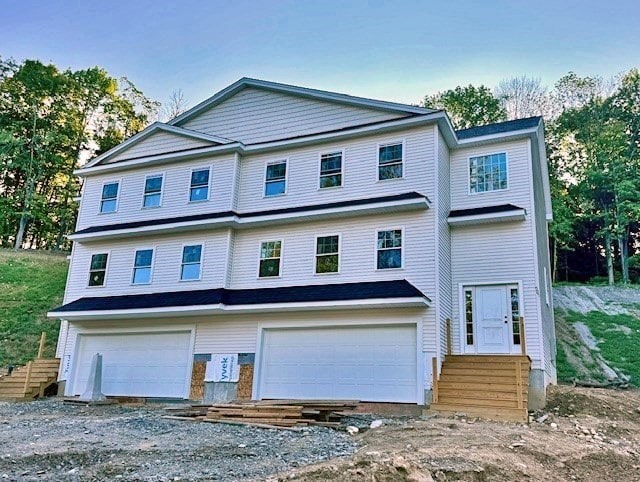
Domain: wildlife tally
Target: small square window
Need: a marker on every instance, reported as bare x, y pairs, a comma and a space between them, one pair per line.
327, 254
275, 178
142, 266
109, 200
331, 170
191, 263
270, 255
390, 161
199, 188
389, 249
98, 269
152, 191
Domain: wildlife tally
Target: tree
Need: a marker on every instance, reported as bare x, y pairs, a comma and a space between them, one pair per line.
175, 106
523, 97
468, 106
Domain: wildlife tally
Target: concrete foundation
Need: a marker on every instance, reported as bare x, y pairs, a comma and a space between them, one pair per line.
220, 392
428, 398
61, 386
537, 389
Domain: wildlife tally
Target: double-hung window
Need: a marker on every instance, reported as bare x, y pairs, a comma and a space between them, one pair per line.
270, 255
275, 180
199, 188
488, 173
331, 170
389, 249
327, 254
109, 200
190, 268
142, 266
390, 159
152, 191
98, 269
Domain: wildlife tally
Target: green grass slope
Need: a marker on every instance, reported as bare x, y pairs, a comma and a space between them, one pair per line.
31, 283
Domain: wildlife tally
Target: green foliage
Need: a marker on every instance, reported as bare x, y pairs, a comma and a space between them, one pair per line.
468, 106
31, 283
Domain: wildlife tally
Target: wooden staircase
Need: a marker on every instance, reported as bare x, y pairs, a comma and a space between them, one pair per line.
487, 386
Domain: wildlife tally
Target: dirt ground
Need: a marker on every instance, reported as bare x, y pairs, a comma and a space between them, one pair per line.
583, 435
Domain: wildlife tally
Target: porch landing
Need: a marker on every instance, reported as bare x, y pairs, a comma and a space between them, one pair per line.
488, 386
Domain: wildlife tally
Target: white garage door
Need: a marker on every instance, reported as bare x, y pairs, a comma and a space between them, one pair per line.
137, 365
372, 363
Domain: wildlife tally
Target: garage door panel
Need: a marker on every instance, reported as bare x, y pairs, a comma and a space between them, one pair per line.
140, 364
372, 363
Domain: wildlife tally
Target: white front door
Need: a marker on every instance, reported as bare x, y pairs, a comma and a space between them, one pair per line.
492, 319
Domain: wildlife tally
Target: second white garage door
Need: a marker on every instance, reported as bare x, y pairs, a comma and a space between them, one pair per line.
369, 363
137, 365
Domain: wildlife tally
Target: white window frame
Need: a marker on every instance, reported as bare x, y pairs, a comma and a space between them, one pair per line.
114, 181
468, 174
315, 253
320, 175
402, 248
201, 168
193, 243
402, 163
151, 266
272, 162
106, 268
144, 195
280, 264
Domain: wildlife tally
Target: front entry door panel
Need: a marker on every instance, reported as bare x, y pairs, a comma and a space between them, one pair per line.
493, 325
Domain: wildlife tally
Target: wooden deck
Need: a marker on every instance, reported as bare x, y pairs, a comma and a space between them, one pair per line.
487, 386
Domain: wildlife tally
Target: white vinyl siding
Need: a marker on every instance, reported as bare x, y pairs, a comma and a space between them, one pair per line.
257, 115
445, 288
158, 143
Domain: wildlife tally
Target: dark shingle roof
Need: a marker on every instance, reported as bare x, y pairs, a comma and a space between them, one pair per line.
286, 294
499, 128
222, 214
502, 208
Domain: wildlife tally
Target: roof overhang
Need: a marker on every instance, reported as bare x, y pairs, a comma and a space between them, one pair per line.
487, 218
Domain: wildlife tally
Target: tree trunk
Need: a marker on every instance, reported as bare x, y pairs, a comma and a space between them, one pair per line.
21, 229
608, 255
624, 257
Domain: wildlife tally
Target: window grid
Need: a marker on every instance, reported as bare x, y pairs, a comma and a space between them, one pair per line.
109, 200
488, 173
515, 315
142, 262
327, 254
270, 255
98, 269
331, 170
389, 249
275, 178
390, 161
152, 191
199, 188
191, 262
468, 315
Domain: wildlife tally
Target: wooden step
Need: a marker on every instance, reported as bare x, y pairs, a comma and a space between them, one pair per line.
480, 379
485, 358
477, 402
494, 387
491, 413
492, 366
477, 394
481, 370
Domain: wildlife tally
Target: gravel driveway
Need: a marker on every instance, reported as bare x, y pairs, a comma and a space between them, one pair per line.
48, 440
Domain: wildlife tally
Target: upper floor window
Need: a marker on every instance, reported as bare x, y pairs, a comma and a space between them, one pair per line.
98, 269
142, 266
389, 249
487, 173
152, 191
390, 161
275, 180
109, 201
270, 255
191, 263
327, 254
331, 170
199, 188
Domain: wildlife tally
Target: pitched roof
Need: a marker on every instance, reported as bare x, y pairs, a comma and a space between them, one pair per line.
499, 127
285, 294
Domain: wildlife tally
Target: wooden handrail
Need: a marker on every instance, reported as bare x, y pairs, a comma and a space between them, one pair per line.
434, 376
27, 378
523, 345
449, 343
43, 338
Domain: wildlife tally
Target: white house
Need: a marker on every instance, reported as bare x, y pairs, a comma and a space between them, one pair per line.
342, 247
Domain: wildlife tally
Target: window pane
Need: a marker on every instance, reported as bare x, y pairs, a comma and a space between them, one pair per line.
390, 153
199, 194
151, 200
269, 267
390, 239
274, 188
96, 278
270, 249
488, 173
327, 263
331, 163
141, 275
327, 244
276, 171
143, 257
331, 181
389, 258
98, 261
110, 190
390, 172
190, 271
153, 184
191, 254
108, 206
200, 178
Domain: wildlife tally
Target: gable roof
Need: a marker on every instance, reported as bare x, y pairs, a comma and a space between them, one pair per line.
246, 82
499, 128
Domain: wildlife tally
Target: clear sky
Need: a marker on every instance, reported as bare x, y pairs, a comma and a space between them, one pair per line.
392, 50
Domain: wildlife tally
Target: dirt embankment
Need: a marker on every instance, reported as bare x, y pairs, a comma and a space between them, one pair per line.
610, 300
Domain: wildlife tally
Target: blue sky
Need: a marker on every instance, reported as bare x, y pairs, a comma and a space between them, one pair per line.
393, 50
